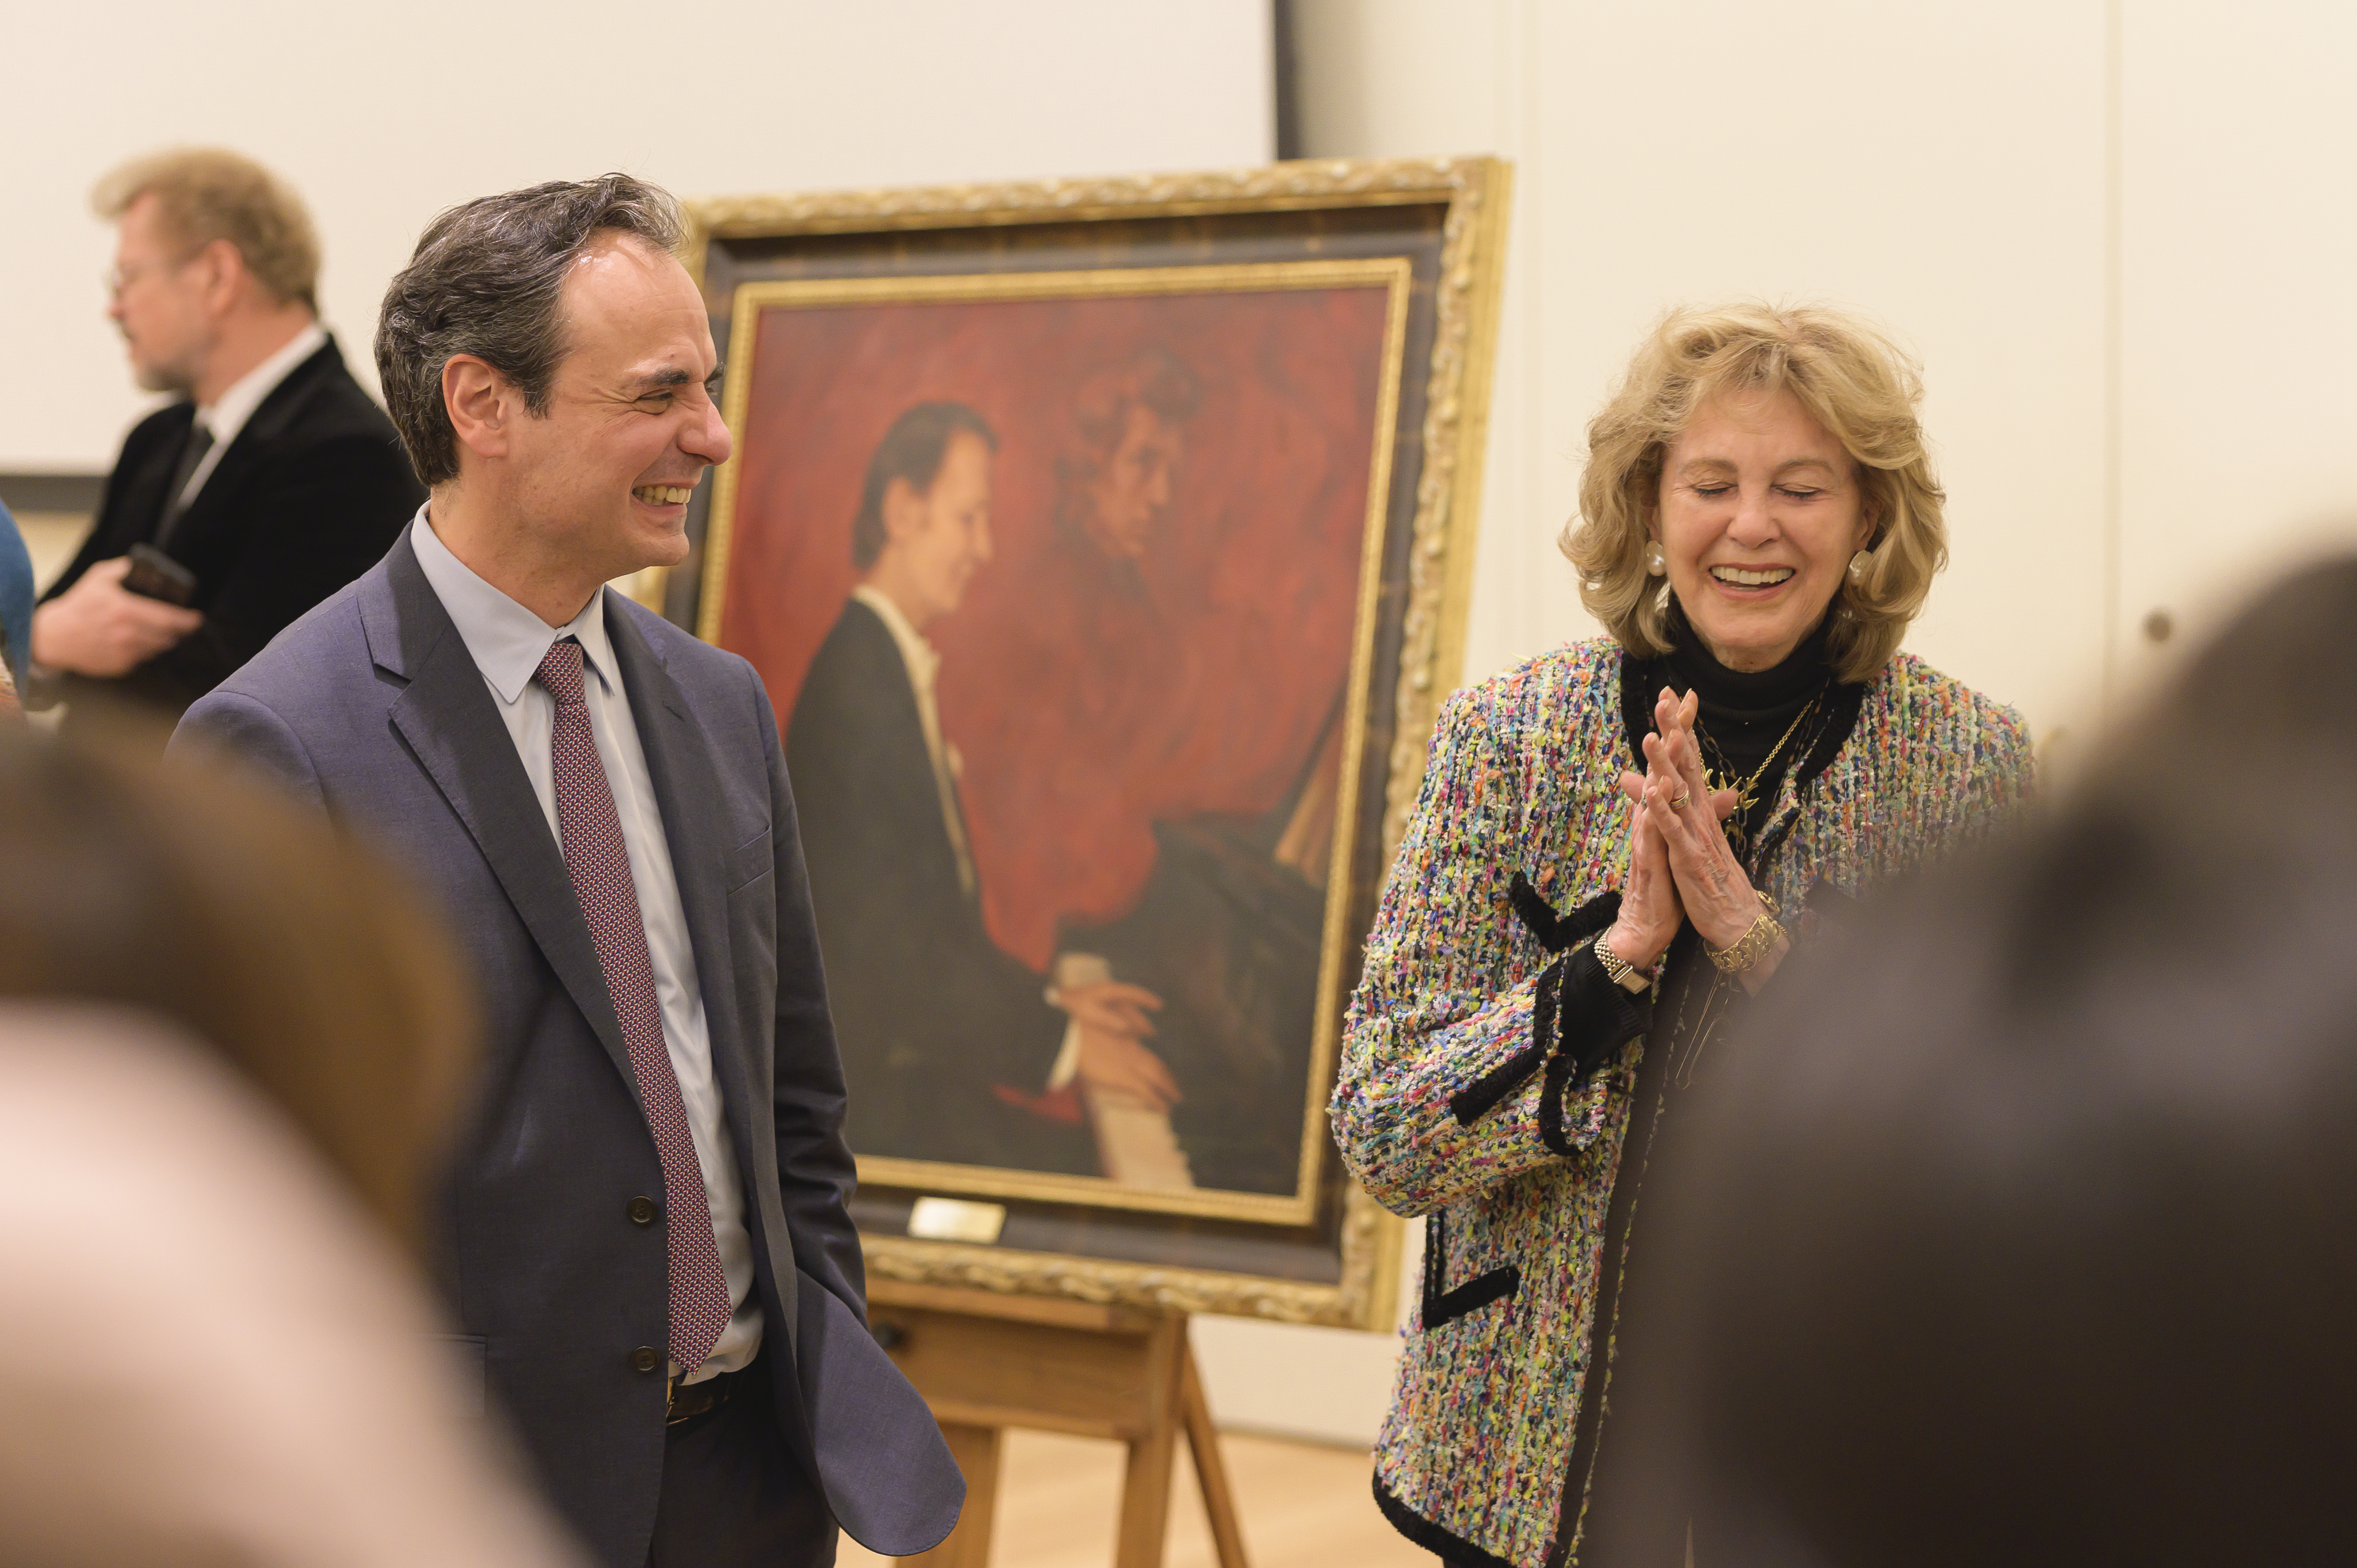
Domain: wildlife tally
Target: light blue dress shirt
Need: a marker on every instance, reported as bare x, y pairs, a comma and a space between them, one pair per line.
508, 642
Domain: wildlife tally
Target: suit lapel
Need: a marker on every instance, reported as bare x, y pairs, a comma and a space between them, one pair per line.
134, 503
687, 794
447, 717
247, 453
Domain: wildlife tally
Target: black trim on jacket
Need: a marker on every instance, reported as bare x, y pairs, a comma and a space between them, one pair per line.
1555, 932
1580, 1020
1451, 1549
1441, 1307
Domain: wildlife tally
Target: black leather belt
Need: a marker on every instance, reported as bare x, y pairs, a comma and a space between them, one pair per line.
689, 1401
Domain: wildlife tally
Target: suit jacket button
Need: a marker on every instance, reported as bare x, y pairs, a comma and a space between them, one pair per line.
643, 1211
646, 1359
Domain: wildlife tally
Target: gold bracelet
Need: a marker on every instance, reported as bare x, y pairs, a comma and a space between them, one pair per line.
1752, 946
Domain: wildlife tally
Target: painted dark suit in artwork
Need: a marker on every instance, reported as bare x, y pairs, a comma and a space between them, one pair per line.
938, 1017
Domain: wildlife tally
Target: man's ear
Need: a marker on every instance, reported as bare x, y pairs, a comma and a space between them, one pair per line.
223, 278
904, 509
482, 406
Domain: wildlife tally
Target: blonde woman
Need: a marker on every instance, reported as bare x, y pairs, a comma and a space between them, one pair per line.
1615, 845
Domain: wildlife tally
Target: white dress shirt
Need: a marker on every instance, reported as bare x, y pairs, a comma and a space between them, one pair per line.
227, 414
508, 642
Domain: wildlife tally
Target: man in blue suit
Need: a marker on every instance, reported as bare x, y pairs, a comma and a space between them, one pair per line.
644, 1229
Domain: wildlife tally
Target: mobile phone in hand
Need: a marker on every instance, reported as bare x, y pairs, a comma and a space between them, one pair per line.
156, 576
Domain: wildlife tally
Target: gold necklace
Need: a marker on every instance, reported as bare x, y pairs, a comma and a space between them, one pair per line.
1721, 774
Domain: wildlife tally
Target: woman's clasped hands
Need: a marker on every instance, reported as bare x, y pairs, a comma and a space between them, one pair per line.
1680, 866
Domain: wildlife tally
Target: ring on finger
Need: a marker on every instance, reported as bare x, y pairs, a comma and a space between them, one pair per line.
1679, 804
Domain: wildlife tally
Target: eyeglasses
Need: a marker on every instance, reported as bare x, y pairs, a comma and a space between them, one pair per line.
114, 280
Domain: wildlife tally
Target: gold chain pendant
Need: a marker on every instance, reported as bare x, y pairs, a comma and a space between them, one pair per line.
1744, 798
1746, 791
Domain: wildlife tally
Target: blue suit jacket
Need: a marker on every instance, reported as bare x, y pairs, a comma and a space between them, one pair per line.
15, 596
371, 708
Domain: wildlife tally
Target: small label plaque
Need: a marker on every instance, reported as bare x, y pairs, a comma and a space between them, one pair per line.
955, 1219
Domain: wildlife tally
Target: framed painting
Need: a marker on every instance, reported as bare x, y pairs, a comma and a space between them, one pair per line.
1102, 547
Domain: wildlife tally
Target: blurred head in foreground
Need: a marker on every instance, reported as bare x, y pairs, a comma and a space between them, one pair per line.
211, 1009
203, 899
2026, 1230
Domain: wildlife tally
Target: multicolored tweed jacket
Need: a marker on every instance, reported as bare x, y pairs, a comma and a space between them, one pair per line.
1521, 778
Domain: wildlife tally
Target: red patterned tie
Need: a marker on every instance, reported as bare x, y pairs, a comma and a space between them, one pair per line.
591, 833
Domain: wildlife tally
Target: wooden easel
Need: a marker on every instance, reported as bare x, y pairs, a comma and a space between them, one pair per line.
986, 1362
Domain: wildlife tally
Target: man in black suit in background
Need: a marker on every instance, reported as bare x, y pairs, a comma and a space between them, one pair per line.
273, 481
944, 1035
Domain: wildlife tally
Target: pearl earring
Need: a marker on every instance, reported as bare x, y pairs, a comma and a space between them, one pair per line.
1656, 563
1858, 564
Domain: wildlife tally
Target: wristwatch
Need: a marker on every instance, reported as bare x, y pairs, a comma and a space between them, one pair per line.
1624, 974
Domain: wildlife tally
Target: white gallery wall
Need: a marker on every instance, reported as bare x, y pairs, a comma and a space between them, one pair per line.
2237, 295
384, 113
2118, 233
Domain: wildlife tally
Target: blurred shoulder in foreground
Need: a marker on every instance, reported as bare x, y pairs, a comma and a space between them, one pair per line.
2022, 1231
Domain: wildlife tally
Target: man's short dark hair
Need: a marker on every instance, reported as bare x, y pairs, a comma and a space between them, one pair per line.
912, 450
486, 279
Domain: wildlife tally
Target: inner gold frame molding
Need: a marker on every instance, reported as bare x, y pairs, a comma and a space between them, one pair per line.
1475, 193
1392, 275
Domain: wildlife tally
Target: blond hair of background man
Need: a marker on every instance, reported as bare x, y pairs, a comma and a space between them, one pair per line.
270, 481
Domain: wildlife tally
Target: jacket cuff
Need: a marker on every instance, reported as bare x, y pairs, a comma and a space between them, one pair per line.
1579, 1021
1596, 1015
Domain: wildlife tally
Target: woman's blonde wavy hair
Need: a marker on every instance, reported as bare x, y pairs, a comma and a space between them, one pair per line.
1858, 383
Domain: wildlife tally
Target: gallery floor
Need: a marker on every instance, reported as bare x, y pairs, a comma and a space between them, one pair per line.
1301, 1505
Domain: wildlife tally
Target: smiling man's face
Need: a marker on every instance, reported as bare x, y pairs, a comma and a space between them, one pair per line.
633, 422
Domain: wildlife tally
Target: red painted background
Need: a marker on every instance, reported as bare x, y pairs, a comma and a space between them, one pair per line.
1085, 715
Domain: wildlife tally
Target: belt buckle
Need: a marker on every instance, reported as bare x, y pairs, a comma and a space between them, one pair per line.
686, 1400
672, 1386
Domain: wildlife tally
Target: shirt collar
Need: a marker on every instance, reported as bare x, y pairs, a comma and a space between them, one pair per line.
228, 413
507, 641
922, 659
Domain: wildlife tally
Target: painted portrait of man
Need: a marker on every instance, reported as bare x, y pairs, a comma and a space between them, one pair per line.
1062, 668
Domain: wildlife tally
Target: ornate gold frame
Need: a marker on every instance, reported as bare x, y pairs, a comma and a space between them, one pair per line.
1475, 193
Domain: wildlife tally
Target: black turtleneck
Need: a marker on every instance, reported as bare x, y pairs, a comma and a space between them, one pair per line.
1746, 712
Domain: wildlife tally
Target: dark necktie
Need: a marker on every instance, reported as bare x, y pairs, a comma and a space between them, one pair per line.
590, 832
201, 441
